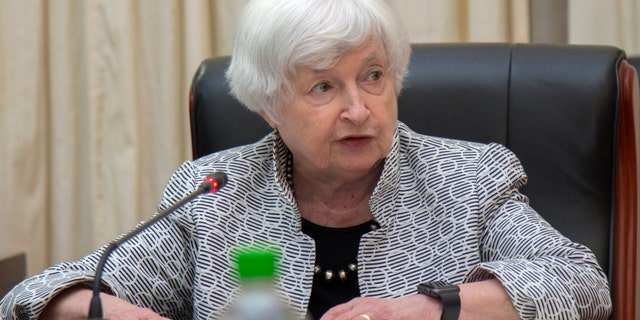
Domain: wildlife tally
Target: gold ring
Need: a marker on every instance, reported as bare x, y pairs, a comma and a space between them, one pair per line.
366, 316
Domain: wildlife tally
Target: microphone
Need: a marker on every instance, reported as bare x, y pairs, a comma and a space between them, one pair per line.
212, 183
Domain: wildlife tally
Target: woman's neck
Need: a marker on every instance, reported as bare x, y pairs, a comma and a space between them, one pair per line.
335, 202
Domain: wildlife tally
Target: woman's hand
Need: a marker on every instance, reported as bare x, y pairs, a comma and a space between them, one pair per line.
412, 307
73, 303
478, 300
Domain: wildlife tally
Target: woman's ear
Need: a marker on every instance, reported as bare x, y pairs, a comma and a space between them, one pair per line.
270, 121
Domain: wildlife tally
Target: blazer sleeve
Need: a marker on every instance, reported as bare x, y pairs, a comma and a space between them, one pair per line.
153, 269
546, 275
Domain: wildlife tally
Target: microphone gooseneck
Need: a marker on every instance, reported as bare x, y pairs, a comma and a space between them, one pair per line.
212, 183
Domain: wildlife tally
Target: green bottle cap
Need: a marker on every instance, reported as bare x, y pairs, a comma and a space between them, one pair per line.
255, 262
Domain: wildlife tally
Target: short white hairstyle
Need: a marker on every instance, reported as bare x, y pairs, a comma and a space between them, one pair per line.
274, 37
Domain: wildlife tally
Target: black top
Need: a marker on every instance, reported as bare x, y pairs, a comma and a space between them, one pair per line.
336, 248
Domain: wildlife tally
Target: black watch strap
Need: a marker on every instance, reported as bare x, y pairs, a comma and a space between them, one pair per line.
450, 305
447, 293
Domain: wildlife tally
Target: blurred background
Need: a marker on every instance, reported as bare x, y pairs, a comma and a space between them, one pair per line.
94, 98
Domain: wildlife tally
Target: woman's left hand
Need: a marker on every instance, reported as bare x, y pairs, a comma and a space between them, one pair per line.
411, 307
485, 299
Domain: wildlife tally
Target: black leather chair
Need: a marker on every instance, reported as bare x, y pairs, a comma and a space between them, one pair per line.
567, 111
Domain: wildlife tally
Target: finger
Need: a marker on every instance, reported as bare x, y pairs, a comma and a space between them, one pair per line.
356, 309
365, 316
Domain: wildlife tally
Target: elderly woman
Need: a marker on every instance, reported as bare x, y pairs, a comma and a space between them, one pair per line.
374, 221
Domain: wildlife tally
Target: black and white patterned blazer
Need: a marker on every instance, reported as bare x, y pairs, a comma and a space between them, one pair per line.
448, 210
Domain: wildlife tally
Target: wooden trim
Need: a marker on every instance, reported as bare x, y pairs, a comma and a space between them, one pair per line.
626, 197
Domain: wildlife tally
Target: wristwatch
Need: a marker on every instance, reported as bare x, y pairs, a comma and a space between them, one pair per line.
447, 293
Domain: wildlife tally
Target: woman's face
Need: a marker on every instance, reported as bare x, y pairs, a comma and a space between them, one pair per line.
340, 121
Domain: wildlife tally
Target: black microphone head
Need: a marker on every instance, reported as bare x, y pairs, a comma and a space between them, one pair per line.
215, 181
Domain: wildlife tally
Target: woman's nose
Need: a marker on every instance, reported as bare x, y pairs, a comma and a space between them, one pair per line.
355, 107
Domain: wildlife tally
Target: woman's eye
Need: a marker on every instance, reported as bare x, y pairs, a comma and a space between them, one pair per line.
374, 75
321, 87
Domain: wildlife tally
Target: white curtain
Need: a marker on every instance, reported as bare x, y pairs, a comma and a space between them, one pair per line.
611, 22
93, 103
465, 20
93, 99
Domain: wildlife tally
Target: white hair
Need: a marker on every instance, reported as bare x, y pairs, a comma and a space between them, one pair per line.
274, 37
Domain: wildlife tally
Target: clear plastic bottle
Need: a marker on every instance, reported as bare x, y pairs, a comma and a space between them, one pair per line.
256, 270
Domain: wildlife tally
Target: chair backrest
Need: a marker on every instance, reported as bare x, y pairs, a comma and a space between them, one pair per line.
567, 112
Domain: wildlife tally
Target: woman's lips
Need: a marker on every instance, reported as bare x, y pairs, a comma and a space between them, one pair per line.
356, 141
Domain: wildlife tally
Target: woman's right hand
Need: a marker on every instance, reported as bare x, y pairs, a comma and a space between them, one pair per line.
73, 303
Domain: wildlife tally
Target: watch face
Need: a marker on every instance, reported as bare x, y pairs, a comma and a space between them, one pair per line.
439, 284
447, 293
442, 290
436, 288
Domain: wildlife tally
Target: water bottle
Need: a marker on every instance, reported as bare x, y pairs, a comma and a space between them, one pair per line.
256, 269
